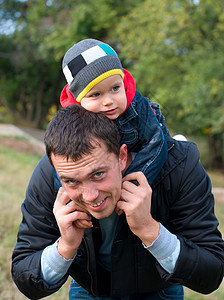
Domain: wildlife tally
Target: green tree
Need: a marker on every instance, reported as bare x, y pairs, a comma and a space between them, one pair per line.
30, 85
44, 30
174, 49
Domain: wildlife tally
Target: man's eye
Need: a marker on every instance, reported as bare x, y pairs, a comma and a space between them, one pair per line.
98, 174
70, 182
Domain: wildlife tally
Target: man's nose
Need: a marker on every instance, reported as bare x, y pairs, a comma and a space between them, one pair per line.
90, 193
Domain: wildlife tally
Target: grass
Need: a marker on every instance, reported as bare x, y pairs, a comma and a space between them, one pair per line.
16, 167
217, 178
17, 161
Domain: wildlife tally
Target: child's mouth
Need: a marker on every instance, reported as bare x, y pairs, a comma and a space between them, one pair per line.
111, 111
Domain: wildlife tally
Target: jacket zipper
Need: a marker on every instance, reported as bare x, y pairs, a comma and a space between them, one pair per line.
88, 269
171, 147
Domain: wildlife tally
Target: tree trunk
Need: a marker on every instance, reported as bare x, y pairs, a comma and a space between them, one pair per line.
30, 109
215, 147
10, 110
22, 98
39, 101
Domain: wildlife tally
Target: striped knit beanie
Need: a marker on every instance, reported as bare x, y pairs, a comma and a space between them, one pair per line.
87, 63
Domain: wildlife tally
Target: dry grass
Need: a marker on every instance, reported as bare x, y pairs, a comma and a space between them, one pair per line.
17, 162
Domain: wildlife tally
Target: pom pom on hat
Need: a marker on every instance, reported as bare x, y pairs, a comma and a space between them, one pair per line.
87, 63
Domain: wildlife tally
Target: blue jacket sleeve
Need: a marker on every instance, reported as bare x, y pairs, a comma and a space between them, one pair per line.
142, 133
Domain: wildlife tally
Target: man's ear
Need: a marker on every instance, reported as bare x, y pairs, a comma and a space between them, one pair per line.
123, 156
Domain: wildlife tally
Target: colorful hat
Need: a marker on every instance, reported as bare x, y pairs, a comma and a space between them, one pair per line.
66, 97
87, 63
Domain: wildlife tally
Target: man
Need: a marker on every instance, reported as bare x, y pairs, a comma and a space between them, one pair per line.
118, 238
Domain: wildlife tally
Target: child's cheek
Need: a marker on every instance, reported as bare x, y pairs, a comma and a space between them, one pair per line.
90, 105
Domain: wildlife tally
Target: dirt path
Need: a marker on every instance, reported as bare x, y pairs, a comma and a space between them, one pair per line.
219, 194
34, 136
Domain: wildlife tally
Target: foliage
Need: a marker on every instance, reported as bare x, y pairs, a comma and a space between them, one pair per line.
173, 49
175, 52
31, 77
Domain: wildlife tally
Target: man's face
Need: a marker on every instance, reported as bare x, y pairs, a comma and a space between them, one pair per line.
94, 181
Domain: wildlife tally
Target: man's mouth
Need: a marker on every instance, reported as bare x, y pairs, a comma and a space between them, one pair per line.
98, 204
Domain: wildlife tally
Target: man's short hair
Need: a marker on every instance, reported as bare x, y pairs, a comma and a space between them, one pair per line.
75, 131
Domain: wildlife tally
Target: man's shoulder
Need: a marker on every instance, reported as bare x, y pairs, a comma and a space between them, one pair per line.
181, 148
43, 172
41, 190
182, 157
43, 165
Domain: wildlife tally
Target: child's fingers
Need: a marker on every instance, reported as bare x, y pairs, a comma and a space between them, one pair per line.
136, 177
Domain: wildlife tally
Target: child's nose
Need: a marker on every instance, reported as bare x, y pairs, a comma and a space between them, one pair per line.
107, 100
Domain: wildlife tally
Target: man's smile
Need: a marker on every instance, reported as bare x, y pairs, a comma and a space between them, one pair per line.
97, 206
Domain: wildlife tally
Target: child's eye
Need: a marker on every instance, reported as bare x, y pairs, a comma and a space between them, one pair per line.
115, 88
95, 95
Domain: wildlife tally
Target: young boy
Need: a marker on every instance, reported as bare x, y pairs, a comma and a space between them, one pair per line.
97, 81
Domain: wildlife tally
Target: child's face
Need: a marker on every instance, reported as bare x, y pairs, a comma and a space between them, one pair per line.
107, 97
